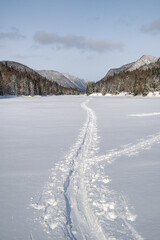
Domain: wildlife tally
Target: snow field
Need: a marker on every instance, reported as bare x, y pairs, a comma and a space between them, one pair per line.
78, 202
76, 195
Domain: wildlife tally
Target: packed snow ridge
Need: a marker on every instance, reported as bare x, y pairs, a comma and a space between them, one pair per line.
77, 202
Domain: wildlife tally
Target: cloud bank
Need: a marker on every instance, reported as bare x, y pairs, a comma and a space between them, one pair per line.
154, 27
79, 42
13, 34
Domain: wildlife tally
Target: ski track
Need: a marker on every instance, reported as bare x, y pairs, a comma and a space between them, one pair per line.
77, 202
145, 114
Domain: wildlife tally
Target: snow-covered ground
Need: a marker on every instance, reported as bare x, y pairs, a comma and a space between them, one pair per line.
122, 94
77, 167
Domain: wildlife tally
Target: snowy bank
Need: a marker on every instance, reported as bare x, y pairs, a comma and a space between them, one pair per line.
124, 94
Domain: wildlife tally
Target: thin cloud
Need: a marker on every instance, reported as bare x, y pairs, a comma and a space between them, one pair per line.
154, 27
24, 56
79, 42
13, 34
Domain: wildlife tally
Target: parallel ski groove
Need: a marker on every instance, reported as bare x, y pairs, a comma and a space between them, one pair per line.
77, 202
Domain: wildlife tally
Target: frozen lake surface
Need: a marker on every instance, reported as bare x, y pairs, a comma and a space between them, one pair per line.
77, 167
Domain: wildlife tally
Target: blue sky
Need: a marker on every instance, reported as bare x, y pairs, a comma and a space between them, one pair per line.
82, 38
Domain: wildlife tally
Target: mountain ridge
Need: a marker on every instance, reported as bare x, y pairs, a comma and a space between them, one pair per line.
139, 77
19, 79
64, 79
144, 60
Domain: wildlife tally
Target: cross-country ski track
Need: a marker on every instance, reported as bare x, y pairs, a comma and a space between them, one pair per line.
77, 202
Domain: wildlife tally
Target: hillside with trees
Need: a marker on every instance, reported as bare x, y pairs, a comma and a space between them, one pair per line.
17, 79
140, 81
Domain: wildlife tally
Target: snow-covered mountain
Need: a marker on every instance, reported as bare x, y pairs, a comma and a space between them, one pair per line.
18, 79
144, 60
79, 83
17, 66
64, 79
139, 77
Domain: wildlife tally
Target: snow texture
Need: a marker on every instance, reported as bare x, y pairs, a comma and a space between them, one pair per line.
80, 198
123, 94
145, 114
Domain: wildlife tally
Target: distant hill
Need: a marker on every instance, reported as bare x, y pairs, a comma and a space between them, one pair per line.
65, 79
18, 79
140, 77
144, 60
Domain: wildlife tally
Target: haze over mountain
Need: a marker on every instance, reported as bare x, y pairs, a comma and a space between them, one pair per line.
64, 79
139, 77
